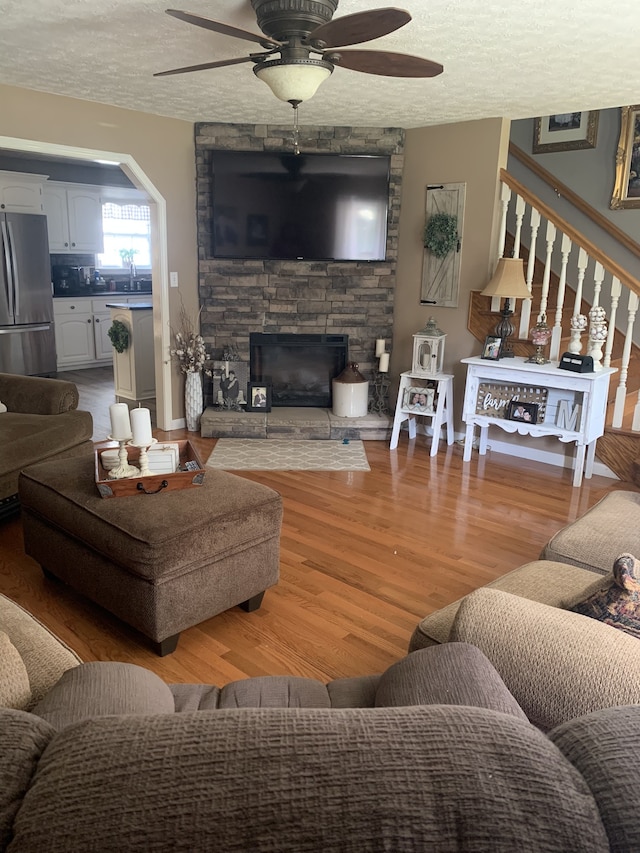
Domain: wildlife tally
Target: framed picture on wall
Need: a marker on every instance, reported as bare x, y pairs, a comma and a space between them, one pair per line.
565, 132
626, 189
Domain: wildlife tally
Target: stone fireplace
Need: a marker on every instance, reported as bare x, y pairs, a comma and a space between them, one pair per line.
327, 298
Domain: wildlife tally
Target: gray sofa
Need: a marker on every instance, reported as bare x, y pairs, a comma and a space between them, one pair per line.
42, 421
434, 754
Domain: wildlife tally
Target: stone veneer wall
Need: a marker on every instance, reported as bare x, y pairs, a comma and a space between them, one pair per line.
320, 297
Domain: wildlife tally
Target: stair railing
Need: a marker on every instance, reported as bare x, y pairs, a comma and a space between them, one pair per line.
597, 280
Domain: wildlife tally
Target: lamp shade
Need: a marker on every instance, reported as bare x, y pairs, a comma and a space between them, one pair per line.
293, 79
508, 280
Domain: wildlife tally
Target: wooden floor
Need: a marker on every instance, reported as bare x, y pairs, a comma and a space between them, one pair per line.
364, 556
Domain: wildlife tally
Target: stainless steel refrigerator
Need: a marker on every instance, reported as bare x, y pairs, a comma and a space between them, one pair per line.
27, 337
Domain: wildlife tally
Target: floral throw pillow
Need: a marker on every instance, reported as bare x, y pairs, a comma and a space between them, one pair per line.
617, 605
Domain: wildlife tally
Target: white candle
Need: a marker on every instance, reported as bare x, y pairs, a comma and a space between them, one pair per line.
381, 345
120, 423
141, 426
383, 366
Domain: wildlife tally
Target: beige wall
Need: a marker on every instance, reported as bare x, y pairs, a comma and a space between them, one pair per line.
471, 152
163, 148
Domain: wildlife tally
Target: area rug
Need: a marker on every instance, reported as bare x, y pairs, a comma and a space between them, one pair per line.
281, 454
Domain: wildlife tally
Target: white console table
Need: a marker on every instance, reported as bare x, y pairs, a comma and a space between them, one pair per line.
573, 406
441, 415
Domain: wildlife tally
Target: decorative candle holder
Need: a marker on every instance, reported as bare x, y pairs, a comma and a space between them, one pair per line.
540, 336
143, 461
123, 469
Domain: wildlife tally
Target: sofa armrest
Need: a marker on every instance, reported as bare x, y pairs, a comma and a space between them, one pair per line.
558, 665
35, 395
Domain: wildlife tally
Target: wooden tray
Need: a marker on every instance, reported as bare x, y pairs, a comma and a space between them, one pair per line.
152, 484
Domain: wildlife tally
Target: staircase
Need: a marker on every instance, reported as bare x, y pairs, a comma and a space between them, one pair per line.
586, 278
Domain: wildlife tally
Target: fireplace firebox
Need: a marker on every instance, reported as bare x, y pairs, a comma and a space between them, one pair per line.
299, 367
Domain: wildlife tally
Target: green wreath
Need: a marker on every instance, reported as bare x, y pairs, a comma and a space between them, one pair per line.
119, 336
441, 234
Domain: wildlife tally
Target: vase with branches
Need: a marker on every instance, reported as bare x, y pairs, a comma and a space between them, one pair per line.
191, 354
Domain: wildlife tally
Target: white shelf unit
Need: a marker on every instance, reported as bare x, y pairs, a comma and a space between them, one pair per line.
574, 407
441, 415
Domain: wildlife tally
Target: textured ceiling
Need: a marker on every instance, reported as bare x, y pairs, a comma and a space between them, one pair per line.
511, 58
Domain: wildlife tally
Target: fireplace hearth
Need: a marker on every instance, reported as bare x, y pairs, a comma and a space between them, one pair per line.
299, 367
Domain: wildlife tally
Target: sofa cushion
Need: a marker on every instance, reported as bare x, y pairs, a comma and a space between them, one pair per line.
558, 665
451, 674
542, 580
274, 691
609, 528
617, 603
15, 691
605, 748
23, 739
44, 655
104, 687
297, 780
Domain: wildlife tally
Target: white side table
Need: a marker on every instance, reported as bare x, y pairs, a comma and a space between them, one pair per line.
441, 415
584, 393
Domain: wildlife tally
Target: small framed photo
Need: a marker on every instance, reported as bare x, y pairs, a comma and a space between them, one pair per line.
492, 348
419, 399
258, 397
527, 413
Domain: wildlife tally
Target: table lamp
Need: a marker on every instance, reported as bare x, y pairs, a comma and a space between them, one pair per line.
508, 283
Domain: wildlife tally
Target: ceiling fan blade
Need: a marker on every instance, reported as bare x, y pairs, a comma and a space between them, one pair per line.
359, 27
218, 27
384, 63
204, 66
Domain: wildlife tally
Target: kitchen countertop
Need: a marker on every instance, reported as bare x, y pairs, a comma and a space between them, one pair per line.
131, 306
98, 294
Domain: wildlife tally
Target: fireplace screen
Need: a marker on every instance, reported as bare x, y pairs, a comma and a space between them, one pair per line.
299, 367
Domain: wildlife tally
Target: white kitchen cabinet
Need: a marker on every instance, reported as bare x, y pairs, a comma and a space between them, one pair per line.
21, 192
74, 218
82, 333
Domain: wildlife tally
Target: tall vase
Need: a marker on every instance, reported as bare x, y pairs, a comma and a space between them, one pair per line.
193, 402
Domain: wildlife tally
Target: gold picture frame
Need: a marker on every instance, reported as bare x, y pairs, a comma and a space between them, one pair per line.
626, 189
565, 131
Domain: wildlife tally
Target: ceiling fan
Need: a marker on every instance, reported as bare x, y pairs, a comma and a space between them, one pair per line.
296, 29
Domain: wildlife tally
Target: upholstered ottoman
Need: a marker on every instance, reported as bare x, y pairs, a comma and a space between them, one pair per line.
163, 562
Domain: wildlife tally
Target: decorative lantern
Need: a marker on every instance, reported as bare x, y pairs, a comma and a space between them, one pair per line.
428, 350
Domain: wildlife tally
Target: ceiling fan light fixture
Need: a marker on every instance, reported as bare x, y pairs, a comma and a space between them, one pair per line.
293, 79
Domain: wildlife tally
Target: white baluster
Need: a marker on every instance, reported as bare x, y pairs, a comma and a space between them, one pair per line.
583, 260
505, 198
525, 312
556, 335
578, 321
621, 391
550, 237
520, 208
598, 277
616, 290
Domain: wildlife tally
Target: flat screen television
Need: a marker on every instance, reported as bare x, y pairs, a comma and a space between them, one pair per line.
280, 206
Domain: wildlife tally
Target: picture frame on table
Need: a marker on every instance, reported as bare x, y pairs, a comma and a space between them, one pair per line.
419, 399
626, 188
565, 131
526, 413
258, 397
492, 348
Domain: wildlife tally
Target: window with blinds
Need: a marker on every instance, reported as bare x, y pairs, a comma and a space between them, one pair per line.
127, 233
